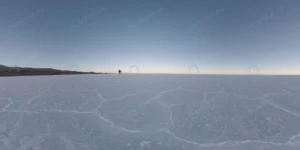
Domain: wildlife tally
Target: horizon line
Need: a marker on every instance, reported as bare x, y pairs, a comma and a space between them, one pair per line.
217, 74
242, 74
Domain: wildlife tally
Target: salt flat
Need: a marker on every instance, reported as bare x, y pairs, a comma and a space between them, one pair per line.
150, 112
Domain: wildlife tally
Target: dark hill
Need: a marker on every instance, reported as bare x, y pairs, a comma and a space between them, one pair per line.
19, 71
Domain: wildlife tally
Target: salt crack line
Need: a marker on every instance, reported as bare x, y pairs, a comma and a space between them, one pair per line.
28, 102
7, 106
191, 90
160, 94
148, 90
171, 113
285, 91
126, 130
290, 142
294, 140
68, 111
173, 105
30, 143
281, 108
264, 96
270, 94
29, 112
118, 98
204, 98
101, 103
180, 139
122, 97
100, 95
188, 90
152, 98
243, 96
112, 124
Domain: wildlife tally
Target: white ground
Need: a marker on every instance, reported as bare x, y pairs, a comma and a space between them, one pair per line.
150, 112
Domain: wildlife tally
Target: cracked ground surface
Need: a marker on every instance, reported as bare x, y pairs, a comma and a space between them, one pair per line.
150, 112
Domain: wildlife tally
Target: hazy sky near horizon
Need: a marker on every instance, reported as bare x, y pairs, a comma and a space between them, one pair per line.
155, 36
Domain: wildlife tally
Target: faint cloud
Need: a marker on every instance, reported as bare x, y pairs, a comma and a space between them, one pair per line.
136, 27
196, 24
17, 26
32, 57
74, 27
24, 62
266, 18
146, 19
150, 16
78, 23
24, 20
194, 68
133, 68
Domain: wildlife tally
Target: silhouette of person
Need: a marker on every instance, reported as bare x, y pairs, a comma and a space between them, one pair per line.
120, 72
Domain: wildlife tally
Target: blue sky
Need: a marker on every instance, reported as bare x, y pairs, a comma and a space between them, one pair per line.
157, 36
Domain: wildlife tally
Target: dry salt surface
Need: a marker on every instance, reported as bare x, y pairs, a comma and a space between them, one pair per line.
150, 112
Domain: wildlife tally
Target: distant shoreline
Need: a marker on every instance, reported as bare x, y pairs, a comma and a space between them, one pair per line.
22, 75
19, 71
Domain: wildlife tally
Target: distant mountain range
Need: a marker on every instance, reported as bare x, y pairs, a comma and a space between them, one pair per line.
19, 71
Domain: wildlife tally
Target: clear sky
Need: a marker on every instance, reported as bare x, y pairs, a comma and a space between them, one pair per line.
153, 36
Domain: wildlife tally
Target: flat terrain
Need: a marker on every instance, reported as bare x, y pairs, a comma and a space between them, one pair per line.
150, 112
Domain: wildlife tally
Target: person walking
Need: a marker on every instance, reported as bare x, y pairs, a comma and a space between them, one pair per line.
120, 72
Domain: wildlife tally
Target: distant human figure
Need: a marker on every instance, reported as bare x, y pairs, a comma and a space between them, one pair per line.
120, 72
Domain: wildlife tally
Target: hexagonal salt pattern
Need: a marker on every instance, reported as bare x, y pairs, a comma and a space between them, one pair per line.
150, 112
